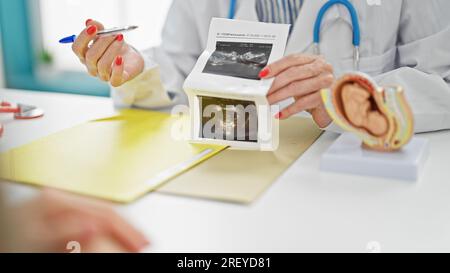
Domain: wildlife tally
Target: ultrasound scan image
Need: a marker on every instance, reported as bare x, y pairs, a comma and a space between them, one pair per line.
228, 119
242, 60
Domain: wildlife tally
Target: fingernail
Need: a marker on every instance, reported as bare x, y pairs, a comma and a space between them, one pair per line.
264, 72
91, 30
279, 115
88, 21
119, 38
119, 60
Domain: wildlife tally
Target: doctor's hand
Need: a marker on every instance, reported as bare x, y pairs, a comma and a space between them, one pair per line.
109, 58
300, 77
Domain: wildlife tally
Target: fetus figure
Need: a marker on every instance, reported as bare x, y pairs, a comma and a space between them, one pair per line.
381, 117
359, 108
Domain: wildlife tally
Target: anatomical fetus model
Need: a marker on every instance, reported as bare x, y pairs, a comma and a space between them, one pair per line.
380, 116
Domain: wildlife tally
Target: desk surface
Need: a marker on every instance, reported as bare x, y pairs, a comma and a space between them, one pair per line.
304, 211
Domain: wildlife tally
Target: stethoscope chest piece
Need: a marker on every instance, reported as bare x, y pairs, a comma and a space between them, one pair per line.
28, 112
20, 112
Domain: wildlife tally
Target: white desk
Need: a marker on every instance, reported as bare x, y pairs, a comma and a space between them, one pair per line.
304, 211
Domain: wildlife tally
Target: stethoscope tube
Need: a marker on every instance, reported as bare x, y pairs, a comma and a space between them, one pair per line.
355, 25
317, 25
232, 10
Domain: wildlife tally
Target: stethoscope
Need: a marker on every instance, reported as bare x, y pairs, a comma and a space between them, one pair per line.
20, 111
355, 25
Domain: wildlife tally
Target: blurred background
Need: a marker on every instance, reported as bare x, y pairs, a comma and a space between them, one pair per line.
31, 57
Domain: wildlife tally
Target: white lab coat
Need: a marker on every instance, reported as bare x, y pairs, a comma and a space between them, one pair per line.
403, 42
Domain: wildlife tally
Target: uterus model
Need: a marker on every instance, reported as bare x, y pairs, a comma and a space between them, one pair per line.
380, 116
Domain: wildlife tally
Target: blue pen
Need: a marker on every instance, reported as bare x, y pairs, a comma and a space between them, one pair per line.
106, 32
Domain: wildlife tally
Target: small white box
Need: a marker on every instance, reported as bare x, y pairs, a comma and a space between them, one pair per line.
226, 76
346, 155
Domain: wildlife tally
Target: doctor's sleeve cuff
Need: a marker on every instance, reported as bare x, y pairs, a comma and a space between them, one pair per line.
145, 91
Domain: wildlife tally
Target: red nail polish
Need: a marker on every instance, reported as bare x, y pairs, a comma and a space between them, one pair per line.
279, 115
264, 73
119, 38
119, 60
91, 30
88, 21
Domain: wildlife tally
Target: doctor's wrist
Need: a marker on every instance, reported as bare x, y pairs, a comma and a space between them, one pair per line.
321, 117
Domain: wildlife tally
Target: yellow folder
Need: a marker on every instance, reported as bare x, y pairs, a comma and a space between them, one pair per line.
119, 158
242, 176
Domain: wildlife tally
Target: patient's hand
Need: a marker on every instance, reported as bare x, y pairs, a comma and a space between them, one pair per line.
109, 58
49, 222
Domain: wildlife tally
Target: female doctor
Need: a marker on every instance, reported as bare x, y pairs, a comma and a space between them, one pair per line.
403, 42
